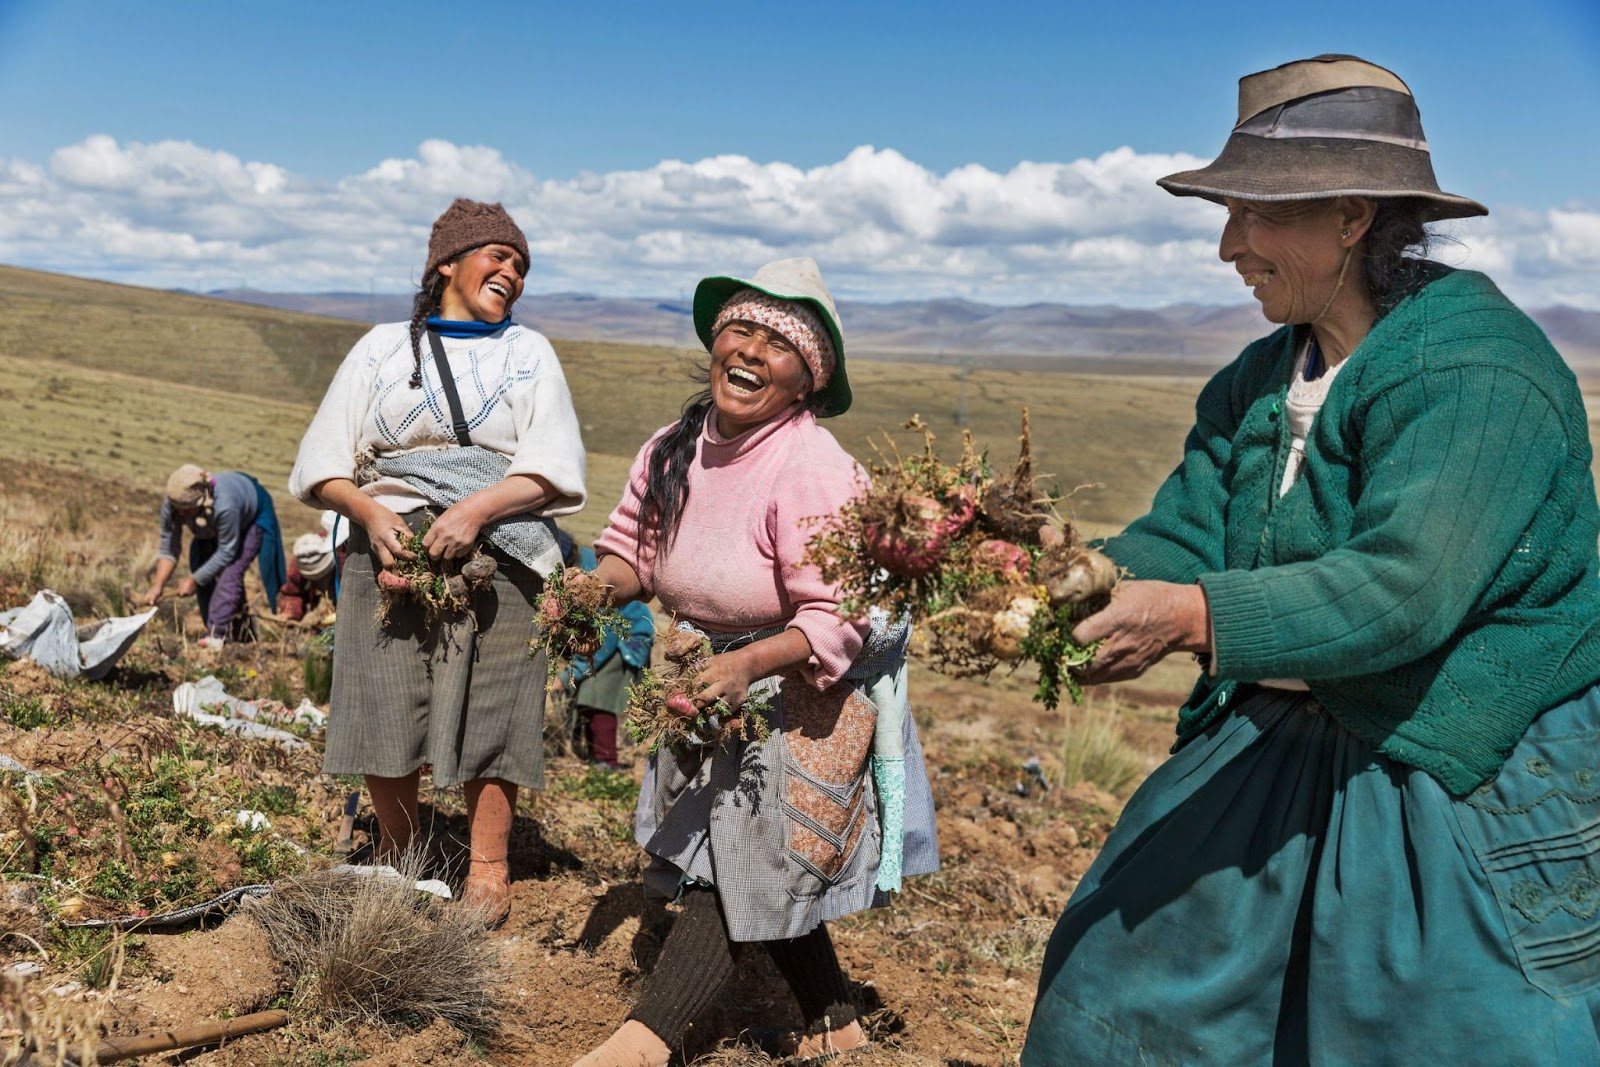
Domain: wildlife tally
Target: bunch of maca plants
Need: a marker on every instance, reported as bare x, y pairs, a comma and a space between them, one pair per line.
575, 611
662, 712
443, 587
984, 564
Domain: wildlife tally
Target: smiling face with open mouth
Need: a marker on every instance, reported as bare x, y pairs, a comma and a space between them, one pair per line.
1289, 254
483, 284
756, 373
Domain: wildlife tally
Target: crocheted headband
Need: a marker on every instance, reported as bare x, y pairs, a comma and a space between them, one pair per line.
468, 224
799, 325
189, 487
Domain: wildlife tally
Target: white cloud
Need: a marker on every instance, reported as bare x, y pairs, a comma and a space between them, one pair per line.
884, 227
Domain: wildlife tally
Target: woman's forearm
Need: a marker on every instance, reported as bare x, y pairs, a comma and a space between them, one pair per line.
624, 581
165, 566
345, 497
775, 654
512, 495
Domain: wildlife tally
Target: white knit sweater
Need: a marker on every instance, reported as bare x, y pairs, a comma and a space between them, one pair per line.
513, 395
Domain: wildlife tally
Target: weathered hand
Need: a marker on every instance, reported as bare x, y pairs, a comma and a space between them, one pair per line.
1144, 622
453, 534
186, 587
726, 677
387, 532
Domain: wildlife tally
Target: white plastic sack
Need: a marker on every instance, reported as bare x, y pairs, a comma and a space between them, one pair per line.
202, 700
431, 886
45, 633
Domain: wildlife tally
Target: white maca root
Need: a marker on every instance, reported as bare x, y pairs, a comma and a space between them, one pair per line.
1011, 626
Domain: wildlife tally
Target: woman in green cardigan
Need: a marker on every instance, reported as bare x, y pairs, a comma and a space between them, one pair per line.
1378, 840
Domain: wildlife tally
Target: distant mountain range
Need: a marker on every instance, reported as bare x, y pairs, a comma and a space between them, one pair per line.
948, 330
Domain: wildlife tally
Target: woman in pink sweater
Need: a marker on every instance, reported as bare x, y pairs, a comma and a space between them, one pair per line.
760, 840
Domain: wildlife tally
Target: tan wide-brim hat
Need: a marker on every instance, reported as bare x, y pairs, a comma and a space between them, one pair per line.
797, 279
1334, 125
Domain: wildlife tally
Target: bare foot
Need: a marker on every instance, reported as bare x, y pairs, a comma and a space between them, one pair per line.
633, 1045
488, 889
830, 1043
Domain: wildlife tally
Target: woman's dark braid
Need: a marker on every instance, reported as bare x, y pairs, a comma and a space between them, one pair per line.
425, 303
667, 479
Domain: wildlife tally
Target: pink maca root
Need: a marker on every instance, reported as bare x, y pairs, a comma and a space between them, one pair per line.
550, 608
1011, 562
911, 540
392, 582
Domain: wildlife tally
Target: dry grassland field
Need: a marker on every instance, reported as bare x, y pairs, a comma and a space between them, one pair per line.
129, 809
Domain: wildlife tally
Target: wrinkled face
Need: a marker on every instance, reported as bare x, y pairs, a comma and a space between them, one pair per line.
755, 374
1289, 254
482, 284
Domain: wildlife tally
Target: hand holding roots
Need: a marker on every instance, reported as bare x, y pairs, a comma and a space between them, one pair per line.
983, 562
443, 587
575, 612
662, 710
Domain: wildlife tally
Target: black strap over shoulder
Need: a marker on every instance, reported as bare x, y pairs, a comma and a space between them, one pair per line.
447, 380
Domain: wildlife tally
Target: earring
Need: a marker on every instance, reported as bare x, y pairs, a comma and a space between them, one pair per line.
1345, 233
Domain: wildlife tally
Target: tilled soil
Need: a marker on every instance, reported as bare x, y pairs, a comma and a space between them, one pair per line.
947, 973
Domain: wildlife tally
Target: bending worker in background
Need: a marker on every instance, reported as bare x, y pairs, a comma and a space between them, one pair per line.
308, 594
232, 522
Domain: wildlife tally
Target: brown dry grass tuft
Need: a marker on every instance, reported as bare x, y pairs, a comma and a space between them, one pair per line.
39, 1027
372, 949
1020, 946
1095, 749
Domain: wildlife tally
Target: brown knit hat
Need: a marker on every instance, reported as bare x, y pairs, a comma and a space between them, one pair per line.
468, 224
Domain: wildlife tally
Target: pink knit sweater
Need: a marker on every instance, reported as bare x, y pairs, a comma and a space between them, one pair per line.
734, 565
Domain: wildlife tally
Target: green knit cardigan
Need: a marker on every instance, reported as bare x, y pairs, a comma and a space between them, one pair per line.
1432, 573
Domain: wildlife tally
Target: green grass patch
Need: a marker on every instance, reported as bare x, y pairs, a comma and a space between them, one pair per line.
148, 833
602, 786
27, 713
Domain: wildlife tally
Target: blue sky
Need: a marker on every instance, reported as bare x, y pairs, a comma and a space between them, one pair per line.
576, 94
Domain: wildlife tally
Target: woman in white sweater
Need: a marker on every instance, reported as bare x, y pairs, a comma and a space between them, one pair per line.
464, 416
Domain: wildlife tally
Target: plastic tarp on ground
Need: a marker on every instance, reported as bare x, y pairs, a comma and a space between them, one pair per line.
45, 633
206, 701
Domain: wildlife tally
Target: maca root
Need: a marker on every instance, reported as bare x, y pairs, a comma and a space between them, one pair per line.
575, 612
1012, 507
661, 709
984, 564
685, 649
1072, 574
443, 587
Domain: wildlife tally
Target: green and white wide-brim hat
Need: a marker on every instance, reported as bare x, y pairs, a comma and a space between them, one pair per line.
796, 279
1330, 126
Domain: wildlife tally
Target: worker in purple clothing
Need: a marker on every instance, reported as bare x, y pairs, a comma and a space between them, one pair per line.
232, 522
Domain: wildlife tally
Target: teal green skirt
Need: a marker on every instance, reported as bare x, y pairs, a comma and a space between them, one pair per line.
1279, 892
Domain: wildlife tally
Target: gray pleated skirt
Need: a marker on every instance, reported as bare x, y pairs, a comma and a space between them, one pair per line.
470, 703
